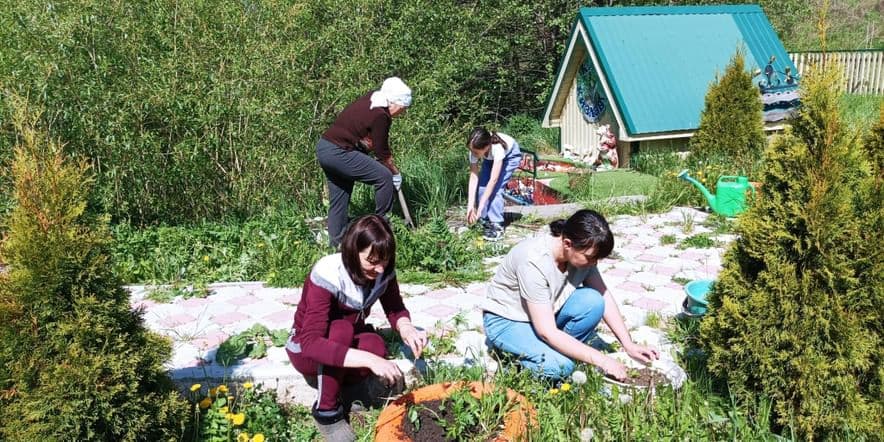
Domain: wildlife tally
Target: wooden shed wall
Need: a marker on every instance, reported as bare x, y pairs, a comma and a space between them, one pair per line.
576, 131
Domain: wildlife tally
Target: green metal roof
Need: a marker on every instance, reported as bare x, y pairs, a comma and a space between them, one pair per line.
660, 61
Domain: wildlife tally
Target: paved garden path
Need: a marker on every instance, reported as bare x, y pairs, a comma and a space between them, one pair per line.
645, 275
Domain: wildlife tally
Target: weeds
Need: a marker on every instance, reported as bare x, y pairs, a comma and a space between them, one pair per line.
687, 222
698, 241
667, 240
680, 280
653, 320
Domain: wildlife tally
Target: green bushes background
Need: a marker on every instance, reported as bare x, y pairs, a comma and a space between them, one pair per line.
201, 111
205, 110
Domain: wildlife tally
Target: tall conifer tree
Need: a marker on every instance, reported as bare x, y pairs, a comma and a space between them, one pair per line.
76, 363
796, 314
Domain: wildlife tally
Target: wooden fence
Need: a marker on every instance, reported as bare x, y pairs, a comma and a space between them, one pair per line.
863, 70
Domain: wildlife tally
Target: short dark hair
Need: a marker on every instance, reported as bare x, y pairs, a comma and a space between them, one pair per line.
586, 228
481, 138
367, 231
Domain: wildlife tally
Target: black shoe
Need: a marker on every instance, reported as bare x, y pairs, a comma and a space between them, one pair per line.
493, 232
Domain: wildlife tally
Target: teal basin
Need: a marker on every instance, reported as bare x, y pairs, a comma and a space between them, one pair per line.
697, 291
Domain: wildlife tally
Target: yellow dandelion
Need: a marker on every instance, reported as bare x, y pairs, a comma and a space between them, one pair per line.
553, 391
206, 258
195, 387
222, 389
223, 410
260, 245
566, 386
259, 437
243, 437
247, 386
205, 403
230, 398
238, 418
228, 416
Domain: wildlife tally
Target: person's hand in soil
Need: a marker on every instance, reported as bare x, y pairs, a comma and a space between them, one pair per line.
613, 368
641, 353
415, 339
472, 215
387, 370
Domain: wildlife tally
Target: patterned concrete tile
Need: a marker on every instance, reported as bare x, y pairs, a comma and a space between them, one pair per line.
650, 258
276, 292
176, 319
650, 278
663, 269
244, 300
650, 304
265, 308
631, 286
193, 303
229, 318
441, 311
209, 340
621, 272
283, 318
442, 293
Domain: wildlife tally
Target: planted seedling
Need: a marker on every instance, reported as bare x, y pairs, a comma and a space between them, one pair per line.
460, 416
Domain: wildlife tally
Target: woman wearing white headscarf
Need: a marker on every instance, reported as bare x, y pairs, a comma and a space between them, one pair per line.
342, 151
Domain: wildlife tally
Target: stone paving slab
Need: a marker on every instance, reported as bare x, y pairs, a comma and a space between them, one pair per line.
641, 274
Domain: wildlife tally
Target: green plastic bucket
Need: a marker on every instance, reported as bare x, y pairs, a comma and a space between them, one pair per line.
696, 296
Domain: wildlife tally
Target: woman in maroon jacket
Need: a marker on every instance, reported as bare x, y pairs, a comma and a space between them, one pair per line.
342, 151
330, 340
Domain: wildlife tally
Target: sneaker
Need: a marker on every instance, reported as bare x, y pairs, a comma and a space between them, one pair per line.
493, 232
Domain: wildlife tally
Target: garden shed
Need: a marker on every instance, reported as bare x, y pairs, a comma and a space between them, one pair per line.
645, 72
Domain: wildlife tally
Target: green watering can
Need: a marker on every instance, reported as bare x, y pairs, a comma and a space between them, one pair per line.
730, 193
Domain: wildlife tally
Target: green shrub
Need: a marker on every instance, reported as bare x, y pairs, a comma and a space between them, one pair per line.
796, 313
76, 362
731, 123
656, 163
278, 247
434, 253
531, 135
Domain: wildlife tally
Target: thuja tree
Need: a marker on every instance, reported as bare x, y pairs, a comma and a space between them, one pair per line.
76, 363
731, 126
796, 314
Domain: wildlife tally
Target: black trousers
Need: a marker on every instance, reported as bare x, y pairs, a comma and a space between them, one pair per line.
344, 167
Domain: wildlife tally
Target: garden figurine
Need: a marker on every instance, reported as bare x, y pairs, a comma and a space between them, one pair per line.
607, 149
547, 297
330, 343
500, 156
362, 128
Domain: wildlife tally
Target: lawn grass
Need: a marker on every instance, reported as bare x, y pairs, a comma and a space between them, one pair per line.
603, 185
860, 111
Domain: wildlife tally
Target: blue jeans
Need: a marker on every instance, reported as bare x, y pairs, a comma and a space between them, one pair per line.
578, 318
494, 210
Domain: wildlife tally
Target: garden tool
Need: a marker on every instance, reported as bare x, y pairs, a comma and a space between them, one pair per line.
730, 193
408, 221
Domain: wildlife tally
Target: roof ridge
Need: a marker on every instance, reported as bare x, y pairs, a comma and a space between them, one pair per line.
596, 11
